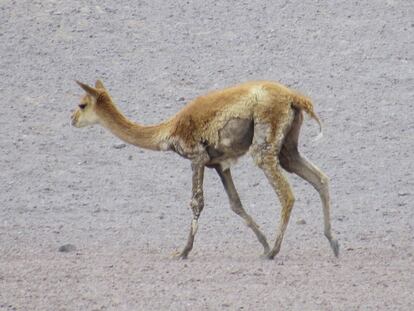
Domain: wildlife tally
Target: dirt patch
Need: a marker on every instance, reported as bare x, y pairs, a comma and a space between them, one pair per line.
125, 211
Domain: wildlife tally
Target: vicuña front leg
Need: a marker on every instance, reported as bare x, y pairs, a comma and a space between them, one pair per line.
197, 203
237, 207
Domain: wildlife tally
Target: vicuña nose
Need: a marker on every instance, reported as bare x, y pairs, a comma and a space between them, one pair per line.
73, 121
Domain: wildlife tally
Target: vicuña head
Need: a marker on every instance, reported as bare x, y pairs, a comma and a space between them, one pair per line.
214, 130
87, 111
97, 107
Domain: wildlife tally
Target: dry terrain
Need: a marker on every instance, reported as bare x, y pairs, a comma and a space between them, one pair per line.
124, 211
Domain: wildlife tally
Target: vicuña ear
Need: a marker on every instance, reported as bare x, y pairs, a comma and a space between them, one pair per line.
99, 85
88, 89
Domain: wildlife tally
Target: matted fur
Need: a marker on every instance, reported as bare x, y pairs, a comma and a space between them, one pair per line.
261, 101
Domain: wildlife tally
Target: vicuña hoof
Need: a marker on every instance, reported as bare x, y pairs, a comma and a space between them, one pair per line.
335, 247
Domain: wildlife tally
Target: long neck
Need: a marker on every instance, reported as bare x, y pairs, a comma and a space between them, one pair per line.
148, 137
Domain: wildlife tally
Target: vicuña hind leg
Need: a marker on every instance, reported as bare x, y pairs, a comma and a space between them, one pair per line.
265, 148
278, 181
309, 172
293, 162
237, 207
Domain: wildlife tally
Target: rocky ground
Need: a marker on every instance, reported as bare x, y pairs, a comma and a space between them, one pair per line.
124, 211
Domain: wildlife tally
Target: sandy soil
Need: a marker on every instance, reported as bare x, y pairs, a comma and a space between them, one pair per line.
125, 210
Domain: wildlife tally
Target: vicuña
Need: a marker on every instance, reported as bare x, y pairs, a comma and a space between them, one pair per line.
216, 129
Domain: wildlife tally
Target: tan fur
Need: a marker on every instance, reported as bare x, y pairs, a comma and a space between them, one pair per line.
201, 119
213, 131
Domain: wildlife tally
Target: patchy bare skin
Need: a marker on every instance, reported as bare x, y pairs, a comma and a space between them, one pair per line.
235, 139
213, 131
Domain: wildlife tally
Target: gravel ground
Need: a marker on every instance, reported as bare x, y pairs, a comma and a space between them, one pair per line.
120, 212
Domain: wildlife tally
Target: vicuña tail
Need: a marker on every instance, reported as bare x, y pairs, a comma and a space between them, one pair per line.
304, 103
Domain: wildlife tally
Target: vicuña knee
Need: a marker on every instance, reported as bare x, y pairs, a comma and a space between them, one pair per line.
197, 205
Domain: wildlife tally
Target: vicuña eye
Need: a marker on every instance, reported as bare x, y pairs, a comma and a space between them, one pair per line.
82, 106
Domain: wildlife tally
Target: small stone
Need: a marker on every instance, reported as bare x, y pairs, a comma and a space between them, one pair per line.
402, 193
119, 146
301, 222
67, 248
